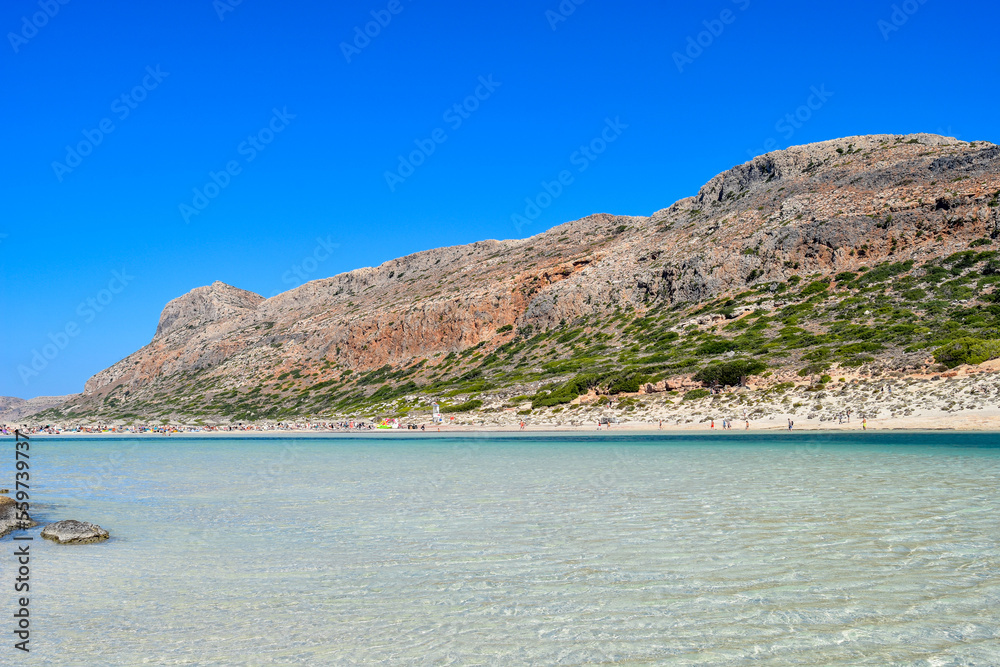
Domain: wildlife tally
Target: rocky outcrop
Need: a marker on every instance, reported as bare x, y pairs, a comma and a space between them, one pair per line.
74, 532
11, 518
823, 208
202, 307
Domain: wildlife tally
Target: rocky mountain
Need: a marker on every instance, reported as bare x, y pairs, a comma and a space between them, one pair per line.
13, 410
865, 253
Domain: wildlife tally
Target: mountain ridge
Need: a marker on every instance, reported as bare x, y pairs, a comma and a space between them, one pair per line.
810, 211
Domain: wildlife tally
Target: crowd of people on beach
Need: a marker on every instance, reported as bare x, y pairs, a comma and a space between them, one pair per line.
347, 425
350, 426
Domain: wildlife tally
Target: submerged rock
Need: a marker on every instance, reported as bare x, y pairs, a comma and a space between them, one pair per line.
74, 532
9, 517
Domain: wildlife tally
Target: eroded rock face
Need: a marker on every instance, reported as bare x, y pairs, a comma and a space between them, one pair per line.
821, 208
203, 306
74, 532
9, 520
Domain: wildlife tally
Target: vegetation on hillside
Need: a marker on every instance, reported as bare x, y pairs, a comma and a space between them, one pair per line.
893, 315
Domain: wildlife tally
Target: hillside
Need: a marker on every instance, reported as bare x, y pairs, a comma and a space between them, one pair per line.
851, 258
13, 410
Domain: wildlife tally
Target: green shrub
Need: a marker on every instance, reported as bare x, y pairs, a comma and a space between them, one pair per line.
816, 287
695, 394
935, 274
730, 373
845, 277
955, 290
883, 272
566, 392
961, 260
967, 350
857, 348
715, 347
505, 328
625, 384
463, 407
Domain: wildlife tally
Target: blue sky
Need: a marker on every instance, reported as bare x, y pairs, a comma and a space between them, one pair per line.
117, 113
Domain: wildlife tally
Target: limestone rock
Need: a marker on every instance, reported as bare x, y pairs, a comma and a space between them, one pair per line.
74, 532
205, 305
9, 517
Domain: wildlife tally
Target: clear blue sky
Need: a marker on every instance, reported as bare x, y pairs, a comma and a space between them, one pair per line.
217, 81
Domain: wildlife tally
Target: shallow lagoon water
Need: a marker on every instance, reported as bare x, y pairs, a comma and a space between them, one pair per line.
729, 549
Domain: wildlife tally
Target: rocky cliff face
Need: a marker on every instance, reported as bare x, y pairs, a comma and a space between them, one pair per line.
202, 307
811, 210
13, 410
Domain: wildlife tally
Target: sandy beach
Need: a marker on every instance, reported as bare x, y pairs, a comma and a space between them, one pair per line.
963, 400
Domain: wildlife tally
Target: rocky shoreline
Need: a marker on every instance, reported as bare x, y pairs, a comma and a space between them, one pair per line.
62, 532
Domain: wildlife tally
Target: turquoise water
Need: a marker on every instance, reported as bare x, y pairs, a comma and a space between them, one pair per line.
731, 549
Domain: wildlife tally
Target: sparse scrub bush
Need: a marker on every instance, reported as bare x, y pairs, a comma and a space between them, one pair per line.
463, 407
695, 394
967, 350
730, 373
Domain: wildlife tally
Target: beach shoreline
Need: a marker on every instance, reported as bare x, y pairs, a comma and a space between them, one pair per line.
960, 401
966, 423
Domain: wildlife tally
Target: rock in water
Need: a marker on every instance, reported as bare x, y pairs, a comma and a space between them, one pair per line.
9, 521
74, 532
